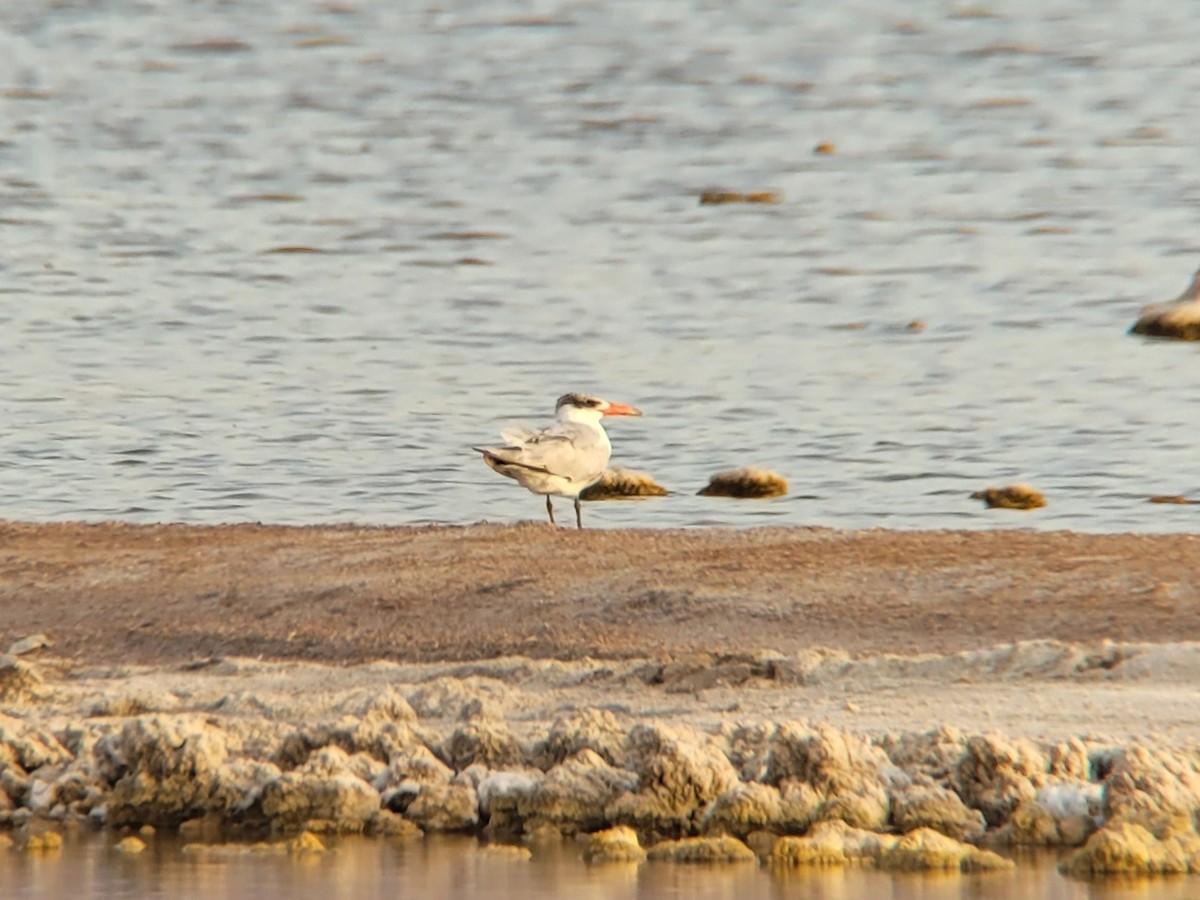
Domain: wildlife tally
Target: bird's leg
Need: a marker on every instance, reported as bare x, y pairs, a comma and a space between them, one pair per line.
578, 515
550, 509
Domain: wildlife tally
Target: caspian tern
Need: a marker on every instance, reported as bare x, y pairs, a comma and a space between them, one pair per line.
566, 457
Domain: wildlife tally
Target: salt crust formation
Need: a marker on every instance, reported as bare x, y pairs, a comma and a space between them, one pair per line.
448, 754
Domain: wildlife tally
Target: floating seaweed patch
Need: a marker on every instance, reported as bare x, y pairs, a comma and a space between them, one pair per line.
623, 484
719, 197
1013, 496
746, 483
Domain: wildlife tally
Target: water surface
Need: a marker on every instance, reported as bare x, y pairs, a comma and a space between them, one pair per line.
451, 868
288, 261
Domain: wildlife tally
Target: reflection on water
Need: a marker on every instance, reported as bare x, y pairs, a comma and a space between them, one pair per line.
450, 868
288, 261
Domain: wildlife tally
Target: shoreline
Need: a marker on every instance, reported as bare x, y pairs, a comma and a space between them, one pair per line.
799, 692
908, 763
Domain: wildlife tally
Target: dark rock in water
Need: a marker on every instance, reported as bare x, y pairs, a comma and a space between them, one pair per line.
614, 845
748, 483
829, 843
926, 850
721, 848
1014, 496
1179, 318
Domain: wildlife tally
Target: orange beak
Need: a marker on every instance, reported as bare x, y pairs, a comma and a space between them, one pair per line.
620, 409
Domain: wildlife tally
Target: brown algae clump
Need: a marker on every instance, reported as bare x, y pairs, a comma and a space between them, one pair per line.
747, 483
623, 484
1014, 496
721, 197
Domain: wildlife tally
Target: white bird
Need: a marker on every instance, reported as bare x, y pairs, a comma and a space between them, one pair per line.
1179, 318
563, 459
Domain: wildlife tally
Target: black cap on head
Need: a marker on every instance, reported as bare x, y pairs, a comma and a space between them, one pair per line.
582, 401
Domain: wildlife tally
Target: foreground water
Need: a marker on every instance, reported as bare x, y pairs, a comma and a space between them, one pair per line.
288, 261
449, 868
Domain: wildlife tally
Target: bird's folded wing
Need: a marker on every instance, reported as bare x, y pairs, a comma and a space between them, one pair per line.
516, 435
568, 451
512, 456
562, 449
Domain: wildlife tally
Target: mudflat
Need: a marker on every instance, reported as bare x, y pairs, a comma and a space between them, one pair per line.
161, 594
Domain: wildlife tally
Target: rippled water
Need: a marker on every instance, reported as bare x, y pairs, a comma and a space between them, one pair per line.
449, 868
288, 261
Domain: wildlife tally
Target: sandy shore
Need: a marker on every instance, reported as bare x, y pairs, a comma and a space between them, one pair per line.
250, 654
167, 594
